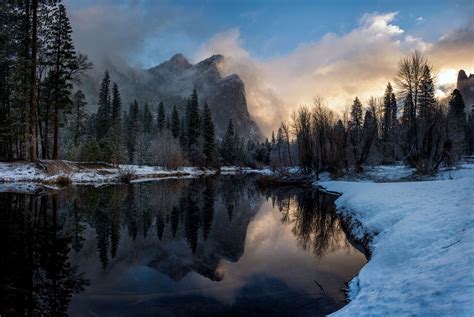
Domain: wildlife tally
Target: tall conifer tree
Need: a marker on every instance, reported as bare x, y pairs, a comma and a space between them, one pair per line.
208, 134
161, 119
228, 144
193, 122
62, 56
103, 112
175, 122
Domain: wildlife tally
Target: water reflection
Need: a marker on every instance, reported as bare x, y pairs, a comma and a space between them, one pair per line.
214, 246
312, 214
36, 277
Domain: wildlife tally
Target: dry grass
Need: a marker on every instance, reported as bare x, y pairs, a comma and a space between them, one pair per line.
104, 172
52, 167
126, 174
63, 181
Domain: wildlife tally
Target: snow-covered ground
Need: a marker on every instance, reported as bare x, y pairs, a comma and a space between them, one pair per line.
423, 230
25, 172
422, 260
31, 172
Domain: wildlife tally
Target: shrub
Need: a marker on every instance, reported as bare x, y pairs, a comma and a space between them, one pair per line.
63, 180
126, 174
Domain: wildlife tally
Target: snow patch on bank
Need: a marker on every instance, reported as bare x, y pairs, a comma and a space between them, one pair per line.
16, 174
422, 249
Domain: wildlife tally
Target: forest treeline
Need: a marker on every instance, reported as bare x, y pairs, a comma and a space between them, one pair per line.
140, 135
38, 67
409, 125
43, 115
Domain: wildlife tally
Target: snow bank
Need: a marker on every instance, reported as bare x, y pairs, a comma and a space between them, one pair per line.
34, 173
423, 248
81, 173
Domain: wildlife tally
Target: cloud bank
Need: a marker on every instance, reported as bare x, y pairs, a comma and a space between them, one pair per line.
132, 31
337, 67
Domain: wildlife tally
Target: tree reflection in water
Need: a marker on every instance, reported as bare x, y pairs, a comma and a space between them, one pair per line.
313, 216
37, 277
176, 208
172, 227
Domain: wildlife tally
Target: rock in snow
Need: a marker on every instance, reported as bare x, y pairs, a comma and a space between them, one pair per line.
423, 247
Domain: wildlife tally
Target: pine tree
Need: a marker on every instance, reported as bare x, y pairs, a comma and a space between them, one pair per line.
182, 135
457, 125
103, 112
280, 140
193, 123
116, 106
132, 129
34, 89
147, 119
387, 113
116, 128
389, 124
11, 31
355, 127
426, 99
161, 119
394, 112
62, 56
228, 145
208, 134
470, 133
79, 116
356, 115
175, 123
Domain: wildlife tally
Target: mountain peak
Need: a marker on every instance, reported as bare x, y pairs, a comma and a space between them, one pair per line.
180, 61
462, 75
213, 60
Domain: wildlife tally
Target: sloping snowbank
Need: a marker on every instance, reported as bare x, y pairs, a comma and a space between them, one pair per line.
423, 250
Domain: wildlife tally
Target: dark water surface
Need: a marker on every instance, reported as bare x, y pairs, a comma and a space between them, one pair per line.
203, 247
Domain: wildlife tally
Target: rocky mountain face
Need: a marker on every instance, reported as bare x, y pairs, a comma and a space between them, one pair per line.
465, 85
173, 81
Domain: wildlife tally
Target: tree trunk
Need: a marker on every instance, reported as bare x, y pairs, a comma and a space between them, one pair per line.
56, 101
46, 132
56, 133
34, 92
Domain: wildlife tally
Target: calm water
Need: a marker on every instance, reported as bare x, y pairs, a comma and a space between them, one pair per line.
204, 247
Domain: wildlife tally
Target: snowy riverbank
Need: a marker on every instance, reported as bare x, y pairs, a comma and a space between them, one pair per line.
422, 247
51, 172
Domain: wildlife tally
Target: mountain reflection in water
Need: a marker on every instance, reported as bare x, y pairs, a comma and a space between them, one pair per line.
203, 247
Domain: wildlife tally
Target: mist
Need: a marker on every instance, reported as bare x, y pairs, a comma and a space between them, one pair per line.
337, 67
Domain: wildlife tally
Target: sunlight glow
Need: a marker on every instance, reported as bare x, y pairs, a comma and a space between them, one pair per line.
447, 76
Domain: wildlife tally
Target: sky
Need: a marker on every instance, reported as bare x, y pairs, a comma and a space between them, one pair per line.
287, 52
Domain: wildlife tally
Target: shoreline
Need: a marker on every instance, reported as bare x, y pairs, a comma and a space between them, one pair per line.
64, 173
420, 235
